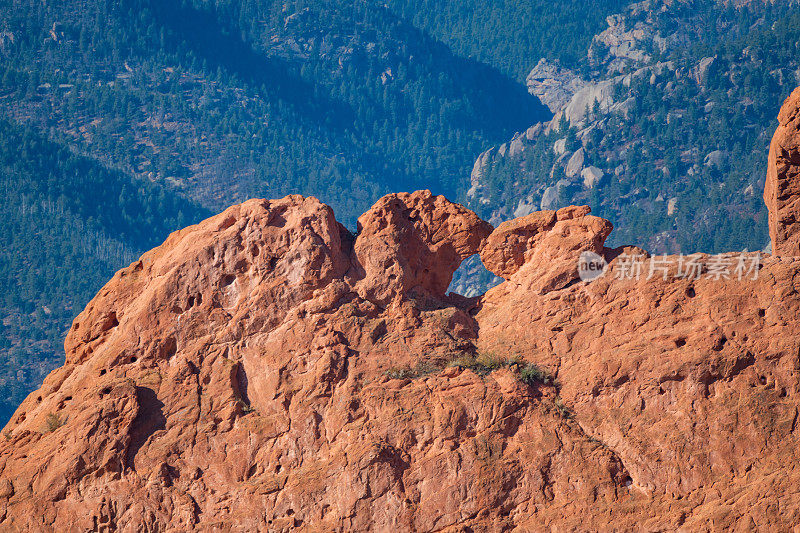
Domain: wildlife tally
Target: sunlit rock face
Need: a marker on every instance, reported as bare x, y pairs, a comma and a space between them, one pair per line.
782, 189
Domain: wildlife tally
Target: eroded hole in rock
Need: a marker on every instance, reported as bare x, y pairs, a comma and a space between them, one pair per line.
472, 278
278, 221
720, 344
690, 292
762, 313
680, 343
192, 301
227, 280
168, 348
110, 321
242, 265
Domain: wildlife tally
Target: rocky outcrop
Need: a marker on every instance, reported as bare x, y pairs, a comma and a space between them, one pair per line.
411, 242
265, 370
604, 106
621, 43
579, 109
237, 373
782, 189
549, 240
702, 70
575, 163
692, 383
553, 85
591, 176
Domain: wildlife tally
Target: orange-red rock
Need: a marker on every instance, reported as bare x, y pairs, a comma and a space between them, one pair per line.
413, 241
550, 241
782, 188
265, 370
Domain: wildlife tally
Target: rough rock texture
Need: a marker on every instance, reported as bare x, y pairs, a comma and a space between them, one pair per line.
236, 375
553, 85
542, 239
623, 43
591, 176
782, 189
575, 163
265, 370
409, 241
601, 93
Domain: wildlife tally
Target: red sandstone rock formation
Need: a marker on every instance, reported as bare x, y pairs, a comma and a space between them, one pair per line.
782, 190
265, 370
549, 242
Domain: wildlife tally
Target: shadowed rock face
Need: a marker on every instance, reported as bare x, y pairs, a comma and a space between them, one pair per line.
265, 370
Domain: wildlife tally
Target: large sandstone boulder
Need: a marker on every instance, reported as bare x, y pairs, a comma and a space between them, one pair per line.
782, 189
416, 240
546, 244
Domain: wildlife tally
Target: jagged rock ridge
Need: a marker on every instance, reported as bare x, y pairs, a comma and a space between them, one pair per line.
267, 370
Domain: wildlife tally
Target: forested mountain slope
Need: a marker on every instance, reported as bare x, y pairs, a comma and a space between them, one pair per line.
341, 100
66, 224
662, 127
509, 34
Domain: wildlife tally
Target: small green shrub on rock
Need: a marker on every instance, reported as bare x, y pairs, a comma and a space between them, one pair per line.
53, 422
532, 375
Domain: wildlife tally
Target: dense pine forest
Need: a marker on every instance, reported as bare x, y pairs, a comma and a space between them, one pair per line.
66, 224
512, 35
232, 100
